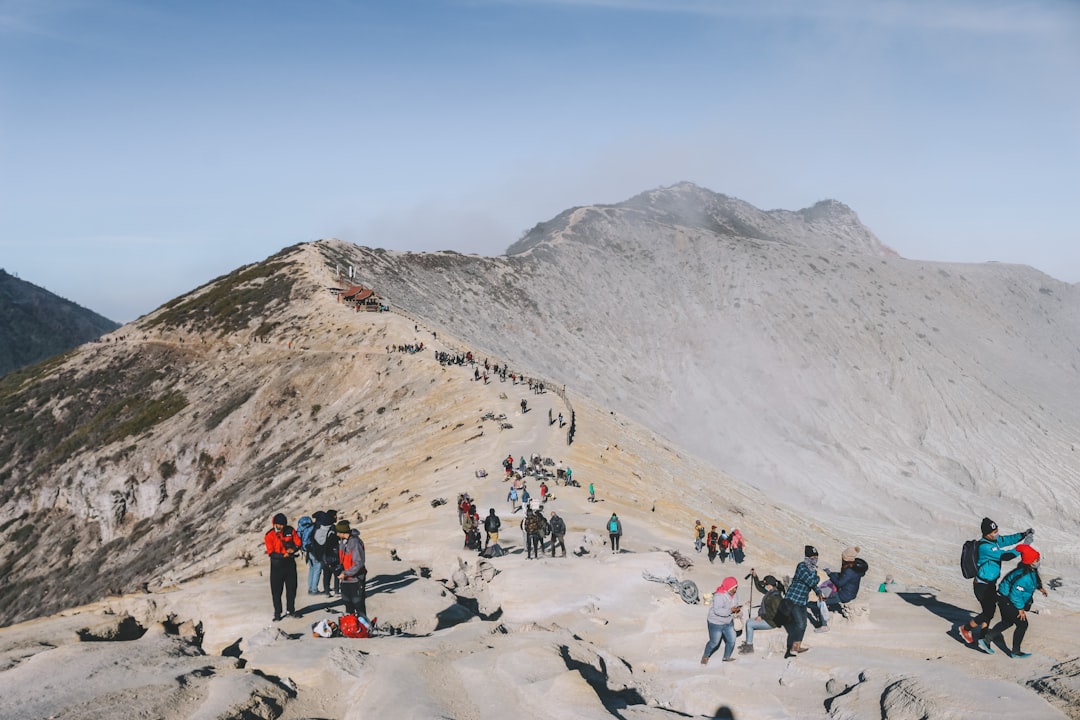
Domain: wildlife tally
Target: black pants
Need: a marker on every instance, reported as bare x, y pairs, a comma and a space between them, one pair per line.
533, 544
329, 575
986, 594
615, 542
557, 540
355, 596
283, 577
1010, 615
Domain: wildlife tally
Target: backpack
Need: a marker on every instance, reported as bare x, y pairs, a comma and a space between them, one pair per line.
860, 566
353, 626
472, 539
492, 523
305, 528
613, 526
701, 532
968, 558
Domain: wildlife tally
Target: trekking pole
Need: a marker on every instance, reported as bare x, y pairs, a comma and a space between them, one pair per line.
750, 607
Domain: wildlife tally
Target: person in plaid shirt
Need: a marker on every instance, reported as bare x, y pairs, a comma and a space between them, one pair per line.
803, 582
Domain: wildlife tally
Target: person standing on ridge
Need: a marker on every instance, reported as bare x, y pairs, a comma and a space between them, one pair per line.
558, 532
699, 535
492, 523
282, 545
713, 543
1014, 598
993, 548
353, 572
614, 527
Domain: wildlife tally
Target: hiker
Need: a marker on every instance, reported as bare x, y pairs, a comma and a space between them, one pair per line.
725, 543
769, 612
841, 588
320, 539
738, 546
469, 525
512, 498
558, 532
570, 476
1014, 598
524, 406
699, 535
492, 523
992, 549
353, 571
463, 502
713, 543
282, 544
532, 525
614, 527
721, 620
543, 491
592, 493
804, 582
305, 528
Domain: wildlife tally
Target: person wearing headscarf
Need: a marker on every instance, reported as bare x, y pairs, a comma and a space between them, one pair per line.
721, 620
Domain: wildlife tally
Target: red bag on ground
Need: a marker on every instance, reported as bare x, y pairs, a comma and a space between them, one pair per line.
352, 626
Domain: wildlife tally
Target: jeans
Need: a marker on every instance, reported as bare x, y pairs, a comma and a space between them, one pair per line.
314, 574
796, 624
698, 543
755, 624
717, 633
557, 540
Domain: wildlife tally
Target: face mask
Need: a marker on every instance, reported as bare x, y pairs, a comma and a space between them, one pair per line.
1035, 565
812, 562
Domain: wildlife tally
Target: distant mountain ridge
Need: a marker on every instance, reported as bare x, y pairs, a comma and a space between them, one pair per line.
36, 324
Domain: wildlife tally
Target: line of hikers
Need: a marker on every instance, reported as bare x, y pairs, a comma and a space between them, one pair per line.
720, 544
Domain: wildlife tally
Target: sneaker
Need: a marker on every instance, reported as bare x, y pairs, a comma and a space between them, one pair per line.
277, 618
823, 628
985, 646
729, 659
1019, 654
965, 632
295, 614
704, 659
746, 649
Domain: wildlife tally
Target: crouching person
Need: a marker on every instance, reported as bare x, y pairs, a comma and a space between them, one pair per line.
353, 571
769, 615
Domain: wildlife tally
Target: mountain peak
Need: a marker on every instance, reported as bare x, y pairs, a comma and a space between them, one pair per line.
827, 225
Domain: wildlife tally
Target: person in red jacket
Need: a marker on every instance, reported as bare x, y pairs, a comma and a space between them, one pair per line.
282, 545
353, 569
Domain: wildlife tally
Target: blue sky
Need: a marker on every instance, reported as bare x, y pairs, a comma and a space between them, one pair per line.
146, 147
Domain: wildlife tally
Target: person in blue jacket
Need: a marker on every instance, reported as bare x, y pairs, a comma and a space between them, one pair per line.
1014, 598
993, 549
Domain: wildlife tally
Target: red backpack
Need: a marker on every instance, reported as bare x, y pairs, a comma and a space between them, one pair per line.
352, 626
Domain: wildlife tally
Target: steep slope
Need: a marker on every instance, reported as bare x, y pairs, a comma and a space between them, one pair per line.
858, 386
36, 324
159, 454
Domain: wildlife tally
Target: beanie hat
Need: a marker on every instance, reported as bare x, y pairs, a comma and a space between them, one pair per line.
729, 583
810, 551
769, 580
988, 526
850, 553
342, 527
280, 519
1028, 554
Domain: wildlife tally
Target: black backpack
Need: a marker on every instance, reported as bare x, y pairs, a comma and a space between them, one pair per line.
969, 554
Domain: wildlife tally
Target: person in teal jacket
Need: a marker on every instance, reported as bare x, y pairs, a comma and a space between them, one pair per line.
993, 549
1014, 598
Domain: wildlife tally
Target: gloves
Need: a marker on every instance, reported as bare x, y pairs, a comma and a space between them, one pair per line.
1030, 531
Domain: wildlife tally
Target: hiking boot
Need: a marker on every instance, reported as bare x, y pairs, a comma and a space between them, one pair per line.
746, 649
965, 632
985, 646
823, 628
295, 614
1020, 654
277, 618
704, 659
